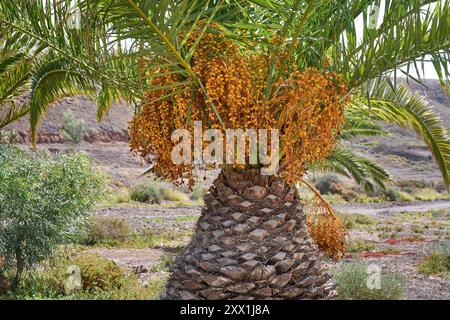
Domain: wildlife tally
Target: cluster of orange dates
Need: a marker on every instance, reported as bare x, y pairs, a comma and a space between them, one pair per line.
307, 106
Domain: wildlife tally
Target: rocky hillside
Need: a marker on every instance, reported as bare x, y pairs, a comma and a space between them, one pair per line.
114, 127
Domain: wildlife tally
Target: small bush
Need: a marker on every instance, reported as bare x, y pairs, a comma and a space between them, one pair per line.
392, 194
42, 201
360, 245
101, 279
352, 221
351, 281
98, 273
437, 263
105, 230
72, 130
404, 196
326, 184
156, 192
198, 192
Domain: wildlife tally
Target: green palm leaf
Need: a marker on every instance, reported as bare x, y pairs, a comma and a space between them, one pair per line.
407, 109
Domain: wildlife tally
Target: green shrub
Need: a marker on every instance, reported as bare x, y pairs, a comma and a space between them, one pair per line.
392, 194
438, 263
98, 273
404, 196
325, 184
198, 192
360, 245
156, 192
352, 221
42, 201
101, 279
105, 230
72, 130
351, 283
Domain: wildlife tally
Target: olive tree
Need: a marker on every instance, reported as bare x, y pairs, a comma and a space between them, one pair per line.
42, 201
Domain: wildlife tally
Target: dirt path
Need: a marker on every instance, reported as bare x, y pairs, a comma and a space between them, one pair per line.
391, 207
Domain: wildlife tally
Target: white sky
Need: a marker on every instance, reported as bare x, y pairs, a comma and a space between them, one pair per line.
429, 71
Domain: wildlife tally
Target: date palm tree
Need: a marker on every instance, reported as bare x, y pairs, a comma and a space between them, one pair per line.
317, 70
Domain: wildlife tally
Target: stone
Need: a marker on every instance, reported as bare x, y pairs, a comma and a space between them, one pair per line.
242, 228
272, 224
281, 216
241, 288
228, 223
237, 216
288, 204
281, 281
278, 257
208, 256
254, 219
249, 256
217, 281
256, 192
214, 248
285, 265
234, 273
258, 234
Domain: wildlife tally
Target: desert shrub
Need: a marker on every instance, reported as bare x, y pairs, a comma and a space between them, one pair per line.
351, 283
438, 263
72, 129
405, 196
42, 200
156, 192
100, 279
359, 245
392, 194
198, 192
327, 184
105, 230
352, 221
98, 273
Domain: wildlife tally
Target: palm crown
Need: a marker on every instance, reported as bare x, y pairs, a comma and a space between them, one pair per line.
124, 49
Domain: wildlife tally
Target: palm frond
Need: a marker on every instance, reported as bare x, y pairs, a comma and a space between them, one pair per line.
407, 109
364, 171
53, 78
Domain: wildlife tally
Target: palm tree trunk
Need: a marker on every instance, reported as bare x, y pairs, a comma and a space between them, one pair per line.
251, 241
